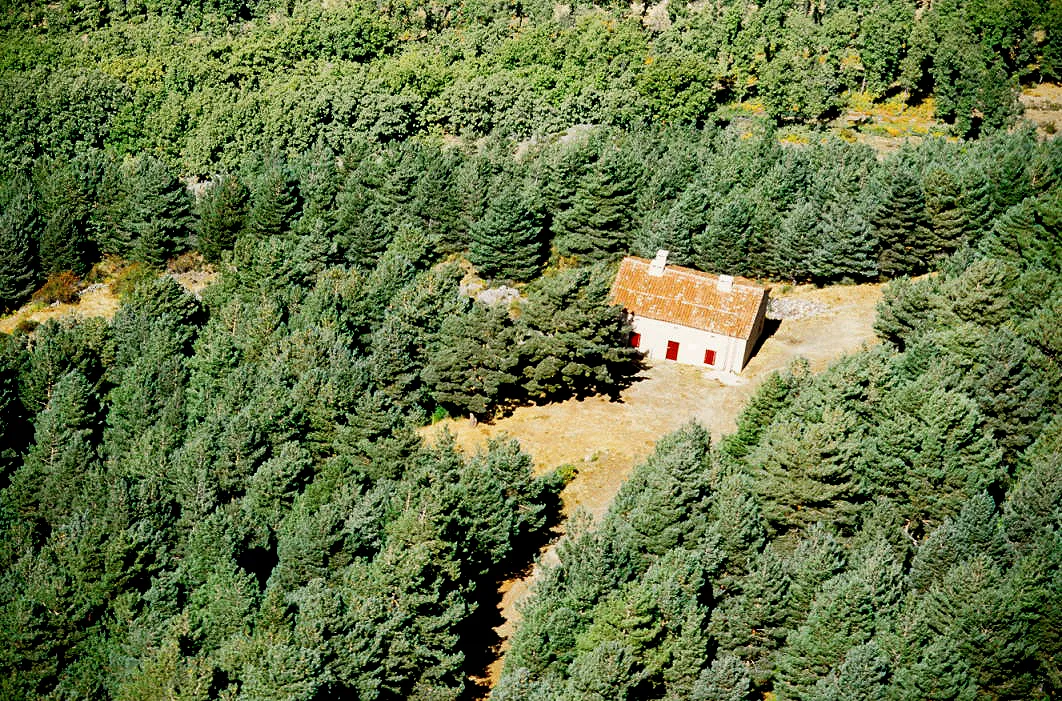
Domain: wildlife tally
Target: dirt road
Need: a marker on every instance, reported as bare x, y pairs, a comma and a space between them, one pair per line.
605, 439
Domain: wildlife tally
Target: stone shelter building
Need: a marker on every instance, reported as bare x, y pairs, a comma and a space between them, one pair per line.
688, 316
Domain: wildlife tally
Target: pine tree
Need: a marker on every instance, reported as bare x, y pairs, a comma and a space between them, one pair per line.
929, 450
976, 200
601, 218
473, 368
864, 674
975, 530
723, 245
14, 419
737, 523
1045, 171
608, 672
400, 344
509, 241
577, 342
773, 395
562, 168
726, 680
902, 226
843, 616
19, 224
157, 212
153, 334
664, 504
222, 209
268, 252
436, 199
520, 685
318, 178
398, 179
798, 243
682, 222
1006, 161
947, 219
1029, 232
905, 310
1033, 503
63, 458
274, 202
1014, 388
363, 226
58, 348
848, 242
939, 672
806, 471
753, 622
66, 203
977, 611
666, 232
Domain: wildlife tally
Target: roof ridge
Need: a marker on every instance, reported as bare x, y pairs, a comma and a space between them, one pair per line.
688, 297
738, 280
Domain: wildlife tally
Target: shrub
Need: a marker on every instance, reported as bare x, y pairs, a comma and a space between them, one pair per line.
27, 325
567, 472
127, 279
105, 269
60, 287
186, 263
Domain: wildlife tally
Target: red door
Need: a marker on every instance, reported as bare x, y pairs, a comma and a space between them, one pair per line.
636, 340
709, 357
672, 350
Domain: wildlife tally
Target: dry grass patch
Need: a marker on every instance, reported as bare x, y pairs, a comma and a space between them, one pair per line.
1043, 107
886, 126
110, 280
96, 300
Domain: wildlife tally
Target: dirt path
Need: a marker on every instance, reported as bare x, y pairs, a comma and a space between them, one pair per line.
605, 439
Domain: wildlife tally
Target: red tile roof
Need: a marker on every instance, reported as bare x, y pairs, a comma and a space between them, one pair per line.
688, 297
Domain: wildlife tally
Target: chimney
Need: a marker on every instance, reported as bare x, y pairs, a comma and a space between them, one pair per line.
725, 284
656, 268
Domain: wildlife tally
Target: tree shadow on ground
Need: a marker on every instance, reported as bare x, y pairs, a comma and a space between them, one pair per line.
480, 641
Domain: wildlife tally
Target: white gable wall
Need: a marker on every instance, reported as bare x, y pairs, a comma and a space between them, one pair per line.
730, 353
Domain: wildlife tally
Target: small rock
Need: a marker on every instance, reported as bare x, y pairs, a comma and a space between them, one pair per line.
498, 295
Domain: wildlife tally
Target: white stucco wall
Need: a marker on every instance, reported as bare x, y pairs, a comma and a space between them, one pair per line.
730, 353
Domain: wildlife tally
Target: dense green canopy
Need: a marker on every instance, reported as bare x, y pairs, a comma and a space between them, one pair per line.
225, 496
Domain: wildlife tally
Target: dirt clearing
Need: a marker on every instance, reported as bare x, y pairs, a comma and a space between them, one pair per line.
1043, 107
96, 301
603, 439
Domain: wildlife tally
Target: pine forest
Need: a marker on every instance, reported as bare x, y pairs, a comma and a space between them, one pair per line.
226, 493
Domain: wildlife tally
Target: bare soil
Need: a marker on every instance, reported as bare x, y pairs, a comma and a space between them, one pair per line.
604, 439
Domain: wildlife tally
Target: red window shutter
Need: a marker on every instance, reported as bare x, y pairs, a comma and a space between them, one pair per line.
672, 350
636, 340
709, 357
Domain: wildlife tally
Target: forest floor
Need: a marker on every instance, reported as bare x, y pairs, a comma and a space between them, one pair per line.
1043, 107
604, 439
96, 300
